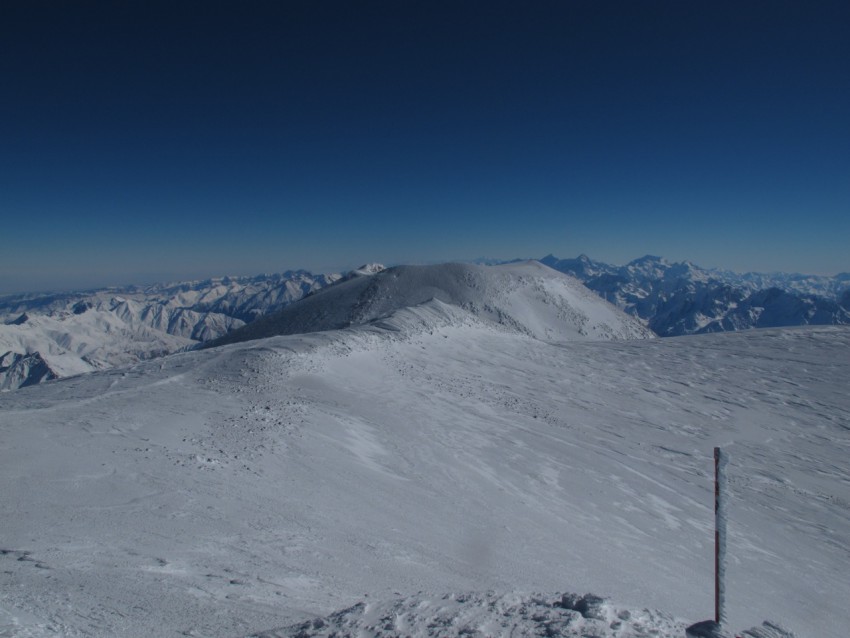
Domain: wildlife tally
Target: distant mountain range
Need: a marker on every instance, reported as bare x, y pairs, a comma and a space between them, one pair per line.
681, 298
523, 297
49, 336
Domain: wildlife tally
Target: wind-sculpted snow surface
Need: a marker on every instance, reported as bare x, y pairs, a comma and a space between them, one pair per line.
262, 485
528, 298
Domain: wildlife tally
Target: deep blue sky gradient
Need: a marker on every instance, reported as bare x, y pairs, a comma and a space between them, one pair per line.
142, 141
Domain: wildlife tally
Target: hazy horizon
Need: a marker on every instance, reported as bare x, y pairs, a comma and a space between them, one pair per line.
157, 141
147, 279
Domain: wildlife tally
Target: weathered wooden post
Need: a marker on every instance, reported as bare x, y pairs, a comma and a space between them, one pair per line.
719, 536
714, 628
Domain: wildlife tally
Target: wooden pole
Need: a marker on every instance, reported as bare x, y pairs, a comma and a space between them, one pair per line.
716, 535
719, 536
714, 628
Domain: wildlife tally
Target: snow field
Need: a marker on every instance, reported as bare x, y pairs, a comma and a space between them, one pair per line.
257, 486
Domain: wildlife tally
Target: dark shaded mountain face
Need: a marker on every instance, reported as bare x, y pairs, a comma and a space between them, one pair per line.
681, 298
21, 370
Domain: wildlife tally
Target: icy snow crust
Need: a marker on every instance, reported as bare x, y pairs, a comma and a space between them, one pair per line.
527, 297
258, 486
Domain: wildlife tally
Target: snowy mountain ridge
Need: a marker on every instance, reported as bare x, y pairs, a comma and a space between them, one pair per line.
50, 336
681, 298
528, 298
658, 268
242, 298
57, 335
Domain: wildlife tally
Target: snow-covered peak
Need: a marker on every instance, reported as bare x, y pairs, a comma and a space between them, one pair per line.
649, 266
582, 266
369, 269
525, 297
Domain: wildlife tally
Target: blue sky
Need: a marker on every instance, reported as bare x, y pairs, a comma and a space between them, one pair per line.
145, 141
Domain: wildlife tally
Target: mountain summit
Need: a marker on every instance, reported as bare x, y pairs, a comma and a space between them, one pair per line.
528, 297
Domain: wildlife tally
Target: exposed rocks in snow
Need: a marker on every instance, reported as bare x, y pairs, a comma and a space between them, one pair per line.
81, 306
487, 615
20, 370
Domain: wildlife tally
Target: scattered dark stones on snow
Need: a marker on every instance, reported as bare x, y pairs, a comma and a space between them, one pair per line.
589, 605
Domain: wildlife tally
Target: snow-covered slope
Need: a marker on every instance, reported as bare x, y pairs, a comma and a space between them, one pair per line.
72, 333
242, 489
682, 298
526, 297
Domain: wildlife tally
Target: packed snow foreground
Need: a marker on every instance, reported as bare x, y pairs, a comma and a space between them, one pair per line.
455, 440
